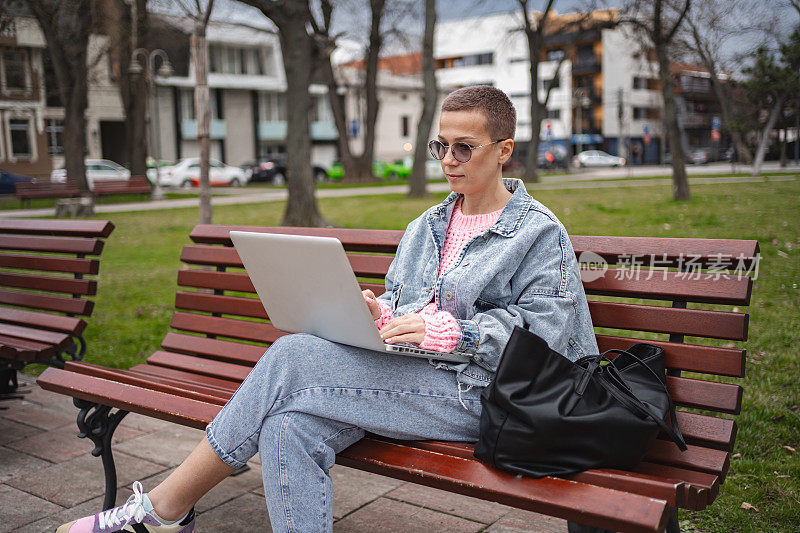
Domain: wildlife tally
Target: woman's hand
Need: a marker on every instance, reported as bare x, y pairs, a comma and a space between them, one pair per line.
407, 328
372, 303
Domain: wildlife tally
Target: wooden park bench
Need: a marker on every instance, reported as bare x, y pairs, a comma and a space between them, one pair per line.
43, 292
26, 191
134, 185
220, 330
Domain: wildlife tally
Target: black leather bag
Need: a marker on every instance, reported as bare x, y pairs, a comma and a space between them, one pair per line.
545, 415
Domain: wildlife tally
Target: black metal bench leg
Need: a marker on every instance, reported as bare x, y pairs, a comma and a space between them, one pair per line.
673, 526
99, 426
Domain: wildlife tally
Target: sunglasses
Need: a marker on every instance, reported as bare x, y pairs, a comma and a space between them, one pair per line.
462, 152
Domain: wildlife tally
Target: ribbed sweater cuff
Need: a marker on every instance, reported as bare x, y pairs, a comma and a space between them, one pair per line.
442, 332
386, 315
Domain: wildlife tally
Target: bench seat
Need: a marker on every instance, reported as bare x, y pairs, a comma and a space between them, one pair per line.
220, 330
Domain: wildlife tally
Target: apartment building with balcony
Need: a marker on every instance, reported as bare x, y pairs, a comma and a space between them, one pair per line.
600, 66
699, 110
23, 138
247, 97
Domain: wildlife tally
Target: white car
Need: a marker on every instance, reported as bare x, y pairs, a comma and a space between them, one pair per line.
96, 170
597, 158
186, 173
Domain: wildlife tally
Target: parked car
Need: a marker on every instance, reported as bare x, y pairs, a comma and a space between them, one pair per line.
186, 173
96, 170
398, 169
273, 170
336, 172
699, 156
552, 156
8, 181
696, 156
597, 158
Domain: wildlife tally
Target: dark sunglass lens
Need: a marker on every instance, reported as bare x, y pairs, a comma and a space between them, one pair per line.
462, 152
437, 150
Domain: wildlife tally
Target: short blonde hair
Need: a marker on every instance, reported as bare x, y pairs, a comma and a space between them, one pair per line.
501, 117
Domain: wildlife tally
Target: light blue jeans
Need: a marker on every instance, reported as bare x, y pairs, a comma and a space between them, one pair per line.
308, 399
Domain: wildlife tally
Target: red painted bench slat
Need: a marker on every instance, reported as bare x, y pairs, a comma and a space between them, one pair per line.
70, 245
47, 302
71, 228
49, 283
51, 264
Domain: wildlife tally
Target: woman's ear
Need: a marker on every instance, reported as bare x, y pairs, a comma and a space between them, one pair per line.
506, 149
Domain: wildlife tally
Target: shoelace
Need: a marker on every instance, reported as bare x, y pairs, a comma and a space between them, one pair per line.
133, 509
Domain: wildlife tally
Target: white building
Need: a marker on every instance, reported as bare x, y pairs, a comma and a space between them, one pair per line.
604, 61
248, 107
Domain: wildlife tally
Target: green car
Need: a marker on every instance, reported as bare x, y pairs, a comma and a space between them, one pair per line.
336, 172
399, 169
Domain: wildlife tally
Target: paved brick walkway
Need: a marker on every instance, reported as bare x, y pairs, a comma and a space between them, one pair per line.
48, 477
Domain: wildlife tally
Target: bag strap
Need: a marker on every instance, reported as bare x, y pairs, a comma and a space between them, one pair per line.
629, 399
640, 408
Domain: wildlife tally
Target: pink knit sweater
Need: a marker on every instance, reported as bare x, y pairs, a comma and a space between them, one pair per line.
442, 333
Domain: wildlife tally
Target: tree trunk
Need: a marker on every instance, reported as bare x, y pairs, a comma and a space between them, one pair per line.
337, 103
65, 25
75, 139
126, 36
418, 180
532, 156
201, 105
363, 163
765, 134
297, 47
725, 102
783, 149
680, 182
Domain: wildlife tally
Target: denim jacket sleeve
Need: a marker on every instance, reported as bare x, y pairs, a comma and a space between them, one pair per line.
541, 301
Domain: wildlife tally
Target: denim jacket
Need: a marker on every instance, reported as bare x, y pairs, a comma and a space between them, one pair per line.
521, 271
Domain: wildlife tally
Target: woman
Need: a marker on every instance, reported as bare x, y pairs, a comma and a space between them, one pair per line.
468, 270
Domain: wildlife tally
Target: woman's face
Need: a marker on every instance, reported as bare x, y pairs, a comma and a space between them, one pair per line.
484, 168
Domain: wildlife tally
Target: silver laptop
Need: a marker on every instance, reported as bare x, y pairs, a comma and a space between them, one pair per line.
307, 285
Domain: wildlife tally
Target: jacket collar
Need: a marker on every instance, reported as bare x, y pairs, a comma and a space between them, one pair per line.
513, 213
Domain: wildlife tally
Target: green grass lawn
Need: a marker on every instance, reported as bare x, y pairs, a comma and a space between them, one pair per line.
137, 285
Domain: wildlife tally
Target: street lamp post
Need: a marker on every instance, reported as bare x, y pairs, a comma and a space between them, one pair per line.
581, 100
149, 70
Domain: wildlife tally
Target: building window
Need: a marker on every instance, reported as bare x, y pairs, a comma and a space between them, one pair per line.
554, 55
235, 60
639, 113
518, 60
468, 61
187, 104
554, 114
271, 107
639, 82
321, 109
20, 131
15, 71
404, 126
55, 136
555, 82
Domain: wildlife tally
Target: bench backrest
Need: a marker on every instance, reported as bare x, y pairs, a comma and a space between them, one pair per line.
43, 263
135, 184
651, 289
46, 188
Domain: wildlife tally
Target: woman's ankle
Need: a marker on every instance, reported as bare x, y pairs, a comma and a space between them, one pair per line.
166, 511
